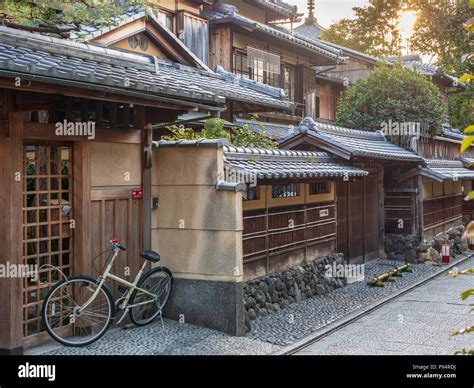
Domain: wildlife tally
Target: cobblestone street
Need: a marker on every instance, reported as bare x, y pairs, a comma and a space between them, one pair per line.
418, 323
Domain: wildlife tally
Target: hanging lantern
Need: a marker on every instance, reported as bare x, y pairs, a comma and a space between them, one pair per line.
445, 253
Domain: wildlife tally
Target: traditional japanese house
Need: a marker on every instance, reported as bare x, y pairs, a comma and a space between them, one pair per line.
436, 188
243, 213
360, 218
75, 138
247, 39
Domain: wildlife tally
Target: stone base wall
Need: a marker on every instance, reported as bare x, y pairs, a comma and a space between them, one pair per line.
412, 249
213, 304
276, 291
402, 247
430, 251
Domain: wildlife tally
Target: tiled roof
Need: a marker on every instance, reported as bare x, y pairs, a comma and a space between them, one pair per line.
272, 163
453, 134
60, 60
447, 169
468, 162
225, 13
356, 142
274, 131
276, 164
414, 61
88, 32
278, 6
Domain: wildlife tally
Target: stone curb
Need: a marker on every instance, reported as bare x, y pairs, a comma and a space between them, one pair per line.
340, 323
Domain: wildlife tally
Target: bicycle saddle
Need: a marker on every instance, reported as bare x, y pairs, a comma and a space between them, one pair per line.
150, 256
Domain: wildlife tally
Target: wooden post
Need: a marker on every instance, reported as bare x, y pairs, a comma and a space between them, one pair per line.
82, 208
11, 232
419, 207
146, 182
381, 210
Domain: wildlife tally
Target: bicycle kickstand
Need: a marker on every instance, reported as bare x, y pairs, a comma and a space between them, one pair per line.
161, 318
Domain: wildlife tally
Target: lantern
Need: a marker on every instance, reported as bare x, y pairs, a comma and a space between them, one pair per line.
445, 253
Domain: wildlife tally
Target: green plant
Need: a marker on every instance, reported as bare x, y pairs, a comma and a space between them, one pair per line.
246, 137
391, 93
214, 128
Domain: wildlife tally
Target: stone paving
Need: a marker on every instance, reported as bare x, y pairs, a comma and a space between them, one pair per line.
269, 333
300, 319
419, 322
175, 339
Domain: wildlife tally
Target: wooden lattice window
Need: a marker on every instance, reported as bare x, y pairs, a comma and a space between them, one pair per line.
285, 191
319, 188
251, 193
47, 232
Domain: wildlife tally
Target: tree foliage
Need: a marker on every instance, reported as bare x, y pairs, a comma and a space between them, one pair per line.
60, 16
438, 31
214, 129
374, 29
391, 93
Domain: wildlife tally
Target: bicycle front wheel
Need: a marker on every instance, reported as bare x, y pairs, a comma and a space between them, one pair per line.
158, 282
67, 320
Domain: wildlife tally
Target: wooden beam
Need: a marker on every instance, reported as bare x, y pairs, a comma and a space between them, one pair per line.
147, 186
11, 232
46, 131
35, 86
82, 207
103, 195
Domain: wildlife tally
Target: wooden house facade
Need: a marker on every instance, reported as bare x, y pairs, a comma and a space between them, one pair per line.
245, 40
75, 133
360, 217
245, 213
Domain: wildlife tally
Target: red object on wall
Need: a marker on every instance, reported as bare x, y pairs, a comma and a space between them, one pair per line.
137, 192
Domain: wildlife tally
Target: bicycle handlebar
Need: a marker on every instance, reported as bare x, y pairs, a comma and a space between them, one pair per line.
118, 244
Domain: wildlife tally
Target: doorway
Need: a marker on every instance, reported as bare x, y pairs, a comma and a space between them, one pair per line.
48, 225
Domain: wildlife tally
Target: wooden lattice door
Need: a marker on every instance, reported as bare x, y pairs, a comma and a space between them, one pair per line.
47, 226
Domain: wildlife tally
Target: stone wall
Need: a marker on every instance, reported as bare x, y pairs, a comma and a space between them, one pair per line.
430, 251
412, 249
402, 247
276, 291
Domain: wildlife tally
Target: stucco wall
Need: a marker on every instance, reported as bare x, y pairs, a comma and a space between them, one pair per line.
115, 165
196, 229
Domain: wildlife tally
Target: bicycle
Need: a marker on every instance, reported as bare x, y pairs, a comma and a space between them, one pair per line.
79, 310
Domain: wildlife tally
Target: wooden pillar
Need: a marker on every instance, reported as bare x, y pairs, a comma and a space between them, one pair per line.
419, 206
381, 210
82, 208
147, 186
220, 48
11, 232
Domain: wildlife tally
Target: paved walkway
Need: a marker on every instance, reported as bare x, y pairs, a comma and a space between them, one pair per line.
419, 322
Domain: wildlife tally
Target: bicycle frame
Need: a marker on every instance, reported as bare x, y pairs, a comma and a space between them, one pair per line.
131, 286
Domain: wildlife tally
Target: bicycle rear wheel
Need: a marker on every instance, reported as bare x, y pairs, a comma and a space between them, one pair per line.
158, 281
63, 319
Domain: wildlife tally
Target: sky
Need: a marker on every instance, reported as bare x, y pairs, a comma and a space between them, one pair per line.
330, 11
